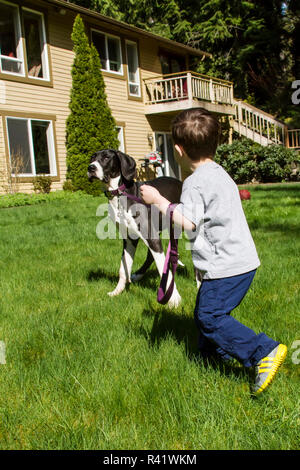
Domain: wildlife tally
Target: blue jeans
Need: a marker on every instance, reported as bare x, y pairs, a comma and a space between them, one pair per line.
221, 334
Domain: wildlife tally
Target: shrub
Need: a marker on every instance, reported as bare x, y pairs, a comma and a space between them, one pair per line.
246, 161
42, 184
68, 185
275, 163
239, 160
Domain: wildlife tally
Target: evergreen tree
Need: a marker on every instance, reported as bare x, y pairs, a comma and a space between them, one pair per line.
90, 125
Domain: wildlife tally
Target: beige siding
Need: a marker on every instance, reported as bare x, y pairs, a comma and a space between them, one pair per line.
26, 99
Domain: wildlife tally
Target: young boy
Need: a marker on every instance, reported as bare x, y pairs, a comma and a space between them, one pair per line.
222, 248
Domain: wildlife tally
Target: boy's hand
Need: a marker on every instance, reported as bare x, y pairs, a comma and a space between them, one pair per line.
150, 195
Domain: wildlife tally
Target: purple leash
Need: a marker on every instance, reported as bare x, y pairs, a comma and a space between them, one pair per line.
163, 294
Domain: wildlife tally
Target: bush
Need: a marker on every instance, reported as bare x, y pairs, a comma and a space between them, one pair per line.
68, 185
247, 161
239, 160
42, 184
276, 163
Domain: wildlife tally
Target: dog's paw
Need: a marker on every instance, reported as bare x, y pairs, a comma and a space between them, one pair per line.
175, 300
136, 277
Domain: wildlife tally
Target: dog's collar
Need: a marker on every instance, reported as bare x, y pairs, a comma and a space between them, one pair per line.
120, 191
111, 193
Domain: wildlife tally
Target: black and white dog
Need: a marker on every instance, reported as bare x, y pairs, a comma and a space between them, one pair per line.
115, 168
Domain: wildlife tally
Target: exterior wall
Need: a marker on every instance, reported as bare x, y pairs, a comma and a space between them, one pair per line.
36, 100
25, 99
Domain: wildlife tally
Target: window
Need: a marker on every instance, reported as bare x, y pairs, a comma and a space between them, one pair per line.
133, 69
109, 50
11, 44
36, 50
31, 146
121, 138
11, 50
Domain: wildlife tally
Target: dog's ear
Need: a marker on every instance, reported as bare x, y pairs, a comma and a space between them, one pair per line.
127, 165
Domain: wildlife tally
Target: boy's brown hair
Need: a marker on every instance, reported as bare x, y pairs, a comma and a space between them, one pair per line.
197, 131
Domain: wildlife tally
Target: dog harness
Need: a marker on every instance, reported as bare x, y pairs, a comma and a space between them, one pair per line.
171, 260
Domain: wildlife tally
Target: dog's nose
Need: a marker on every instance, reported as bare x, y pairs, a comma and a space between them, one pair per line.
91, 167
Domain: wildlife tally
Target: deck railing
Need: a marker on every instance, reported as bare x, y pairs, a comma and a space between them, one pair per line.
188, 85
258, 125
293, 140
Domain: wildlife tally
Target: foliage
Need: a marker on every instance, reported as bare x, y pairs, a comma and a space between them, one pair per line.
42, 184
276, 163
246, 161
90, 125
239, 160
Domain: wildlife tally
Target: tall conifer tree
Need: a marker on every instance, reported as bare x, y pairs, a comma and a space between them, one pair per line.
90, 125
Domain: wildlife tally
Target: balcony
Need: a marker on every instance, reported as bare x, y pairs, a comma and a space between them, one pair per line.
176, 92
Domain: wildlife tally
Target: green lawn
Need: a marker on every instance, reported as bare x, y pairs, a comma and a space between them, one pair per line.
86, 371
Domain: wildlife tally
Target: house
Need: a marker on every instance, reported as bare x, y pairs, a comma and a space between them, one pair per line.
147, 81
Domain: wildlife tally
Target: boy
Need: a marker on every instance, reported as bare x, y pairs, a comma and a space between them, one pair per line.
222, 248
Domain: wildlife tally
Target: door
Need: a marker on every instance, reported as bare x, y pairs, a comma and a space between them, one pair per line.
164, 145
171, 63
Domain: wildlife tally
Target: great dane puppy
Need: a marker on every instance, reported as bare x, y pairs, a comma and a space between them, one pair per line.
115, 168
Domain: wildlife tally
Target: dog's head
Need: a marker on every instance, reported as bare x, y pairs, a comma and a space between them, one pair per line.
108, 164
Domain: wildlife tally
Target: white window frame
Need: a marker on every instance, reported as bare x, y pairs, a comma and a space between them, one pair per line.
138, 83
51, 146
19, 47
44, 55
44, 46
107, 60
120, 130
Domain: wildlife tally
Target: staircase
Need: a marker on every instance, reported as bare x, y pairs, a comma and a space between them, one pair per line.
257, 125
263, 128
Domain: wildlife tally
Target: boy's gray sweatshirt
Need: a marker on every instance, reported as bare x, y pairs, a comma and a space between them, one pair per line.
222, 244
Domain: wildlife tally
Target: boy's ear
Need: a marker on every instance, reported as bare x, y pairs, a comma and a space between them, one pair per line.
179, 149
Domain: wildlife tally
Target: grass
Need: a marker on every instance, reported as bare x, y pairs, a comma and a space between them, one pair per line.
86, 371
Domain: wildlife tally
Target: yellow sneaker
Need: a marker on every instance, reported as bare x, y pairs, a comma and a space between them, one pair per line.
267, 368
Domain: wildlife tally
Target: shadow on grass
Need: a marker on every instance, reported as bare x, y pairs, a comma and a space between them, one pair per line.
182, 329
150, 279
285, 228
101, 274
